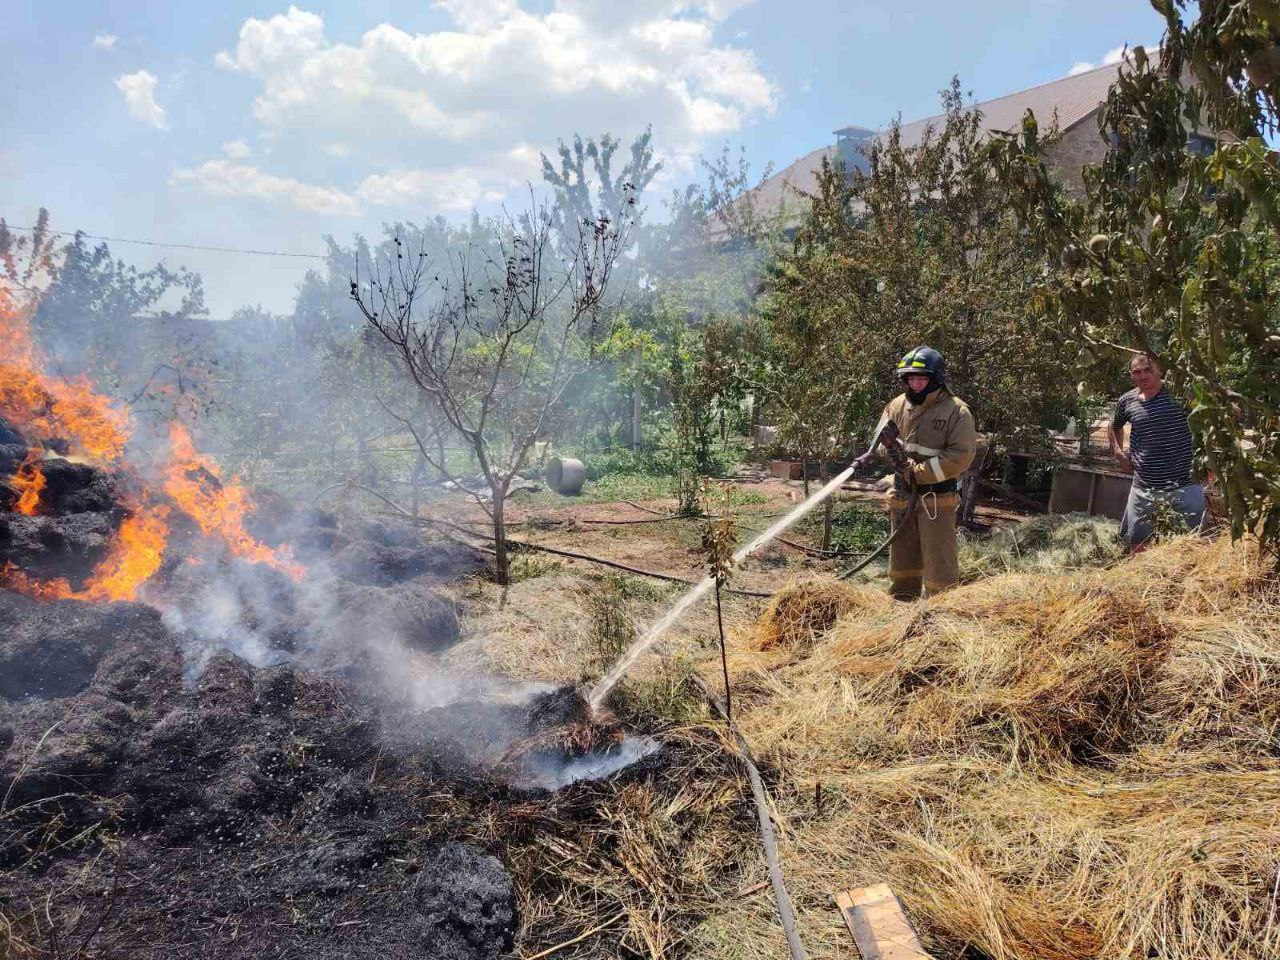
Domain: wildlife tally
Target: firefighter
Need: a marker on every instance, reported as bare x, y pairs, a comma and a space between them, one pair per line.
938, 434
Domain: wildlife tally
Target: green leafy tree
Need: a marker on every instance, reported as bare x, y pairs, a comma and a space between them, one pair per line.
952, 268
138, 334
1174, 248
920, 248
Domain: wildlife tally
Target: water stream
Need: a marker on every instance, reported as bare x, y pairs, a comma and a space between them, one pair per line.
701, 589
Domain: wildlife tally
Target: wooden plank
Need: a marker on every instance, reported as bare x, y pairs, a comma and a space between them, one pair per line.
879, 925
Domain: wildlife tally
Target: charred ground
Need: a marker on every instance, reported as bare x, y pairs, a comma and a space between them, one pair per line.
162, 796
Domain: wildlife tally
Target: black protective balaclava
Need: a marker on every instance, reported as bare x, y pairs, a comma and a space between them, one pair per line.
915, 398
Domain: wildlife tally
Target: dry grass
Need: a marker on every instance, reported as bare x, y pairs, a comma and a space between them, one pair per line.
1048, 543
801, 612
1042, 766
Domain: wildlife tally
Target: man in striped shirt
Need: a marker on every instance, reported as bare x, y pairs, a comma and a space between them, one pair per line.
1160, 451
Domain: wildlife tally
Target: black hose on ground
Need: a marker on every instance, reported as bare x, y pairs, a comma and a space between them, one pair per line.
786, 913
911, 506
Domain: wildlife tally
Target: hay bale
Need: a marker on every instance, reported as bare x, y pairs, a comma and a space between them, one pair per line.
800, 612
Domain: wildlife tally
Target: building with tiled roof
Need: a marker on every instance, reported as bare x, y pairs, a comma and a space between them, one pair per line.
1071, 104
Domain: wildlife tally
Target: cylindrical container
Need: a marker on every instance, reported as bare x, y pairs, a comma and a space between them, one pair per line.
566, 475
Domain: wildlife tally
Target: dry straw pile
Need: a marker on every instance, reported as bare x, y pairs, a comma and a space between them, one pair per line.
1044, 767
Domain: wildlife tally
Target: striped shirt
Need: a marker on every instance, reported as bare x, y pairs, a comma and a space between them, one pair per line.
1159, 439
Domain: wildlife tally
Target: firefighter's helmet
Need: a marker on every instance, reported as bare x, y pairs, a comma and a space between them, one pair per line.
924, 360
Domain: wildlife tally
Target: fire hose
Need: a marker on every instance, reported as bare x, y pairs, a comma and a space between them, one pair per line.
888, 437
912, 497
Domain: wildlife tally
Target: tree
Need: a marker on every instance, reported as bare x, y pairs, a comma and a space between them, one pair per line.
918, 249
951, 267
136, 333
814, 382
1174, 248
574, 185
493, 338
27, 262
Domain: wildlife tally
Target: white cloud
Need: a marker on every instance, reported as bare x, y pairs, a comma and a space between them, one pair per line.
1112, 56
283, 40
456, 101
104, 41
139, 90
222, 178
447, 191
236, 149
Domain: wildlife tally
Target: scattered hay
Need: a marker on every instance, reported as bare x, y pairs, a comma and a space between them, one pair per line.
1050, 543
799, 613
1043, 765
1065, 767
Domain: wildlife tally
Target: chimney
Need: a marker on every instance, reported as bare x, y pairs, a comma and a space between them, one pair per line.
849, 148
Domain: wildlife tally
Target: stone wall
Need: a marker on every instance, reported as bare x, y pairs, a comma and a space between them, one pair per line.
1079, 146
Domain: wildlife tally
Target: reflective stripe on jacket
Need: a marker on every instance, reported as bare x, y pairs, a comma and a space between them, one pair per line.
939, 435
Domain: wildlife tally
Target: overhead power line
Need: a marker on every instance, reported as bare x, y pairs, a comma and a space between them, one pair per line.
180, 246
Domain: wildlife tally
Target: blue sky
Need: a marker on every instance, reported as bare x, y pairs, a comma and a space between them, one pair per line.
266, 125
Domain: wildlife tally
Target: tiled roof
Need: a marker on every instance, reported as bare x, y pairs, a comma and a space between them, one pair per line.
1068, 101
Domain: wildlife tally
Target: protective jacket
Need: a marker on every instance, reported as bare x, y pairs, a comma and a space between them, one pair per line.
939, 435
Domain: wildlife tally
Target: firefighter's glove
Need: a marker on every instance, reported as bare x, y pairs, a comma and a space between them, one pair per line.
898, 456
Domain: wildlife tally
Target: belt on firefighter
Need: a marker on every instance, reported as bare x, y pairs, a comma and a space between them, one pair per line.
946, 486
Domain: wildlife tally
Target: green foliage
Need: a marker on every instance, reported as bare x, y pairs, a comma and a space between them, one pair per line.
612, 622
856, 528
918, 249
662, 699
625, 461
1174, 249
631, 486
527, 566
138, 334
574, 183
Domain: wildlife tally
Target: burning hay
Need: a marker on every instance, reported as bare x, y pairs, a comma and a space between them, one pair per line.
46, 415
1064, 767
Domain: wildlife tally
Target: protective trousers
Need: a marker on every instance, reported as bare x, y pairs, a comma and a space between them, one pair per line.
925, 552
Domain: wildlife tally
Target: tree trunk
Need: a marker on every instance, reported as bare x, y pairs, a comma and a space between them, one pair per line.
755, 429
637, 437
501, 563
724, 658
419, 474
969, 485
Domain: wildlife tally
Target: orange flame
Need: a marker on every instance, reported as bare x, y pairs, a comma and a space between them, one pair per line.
195, 484
134, 558
46, 408
28, 480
